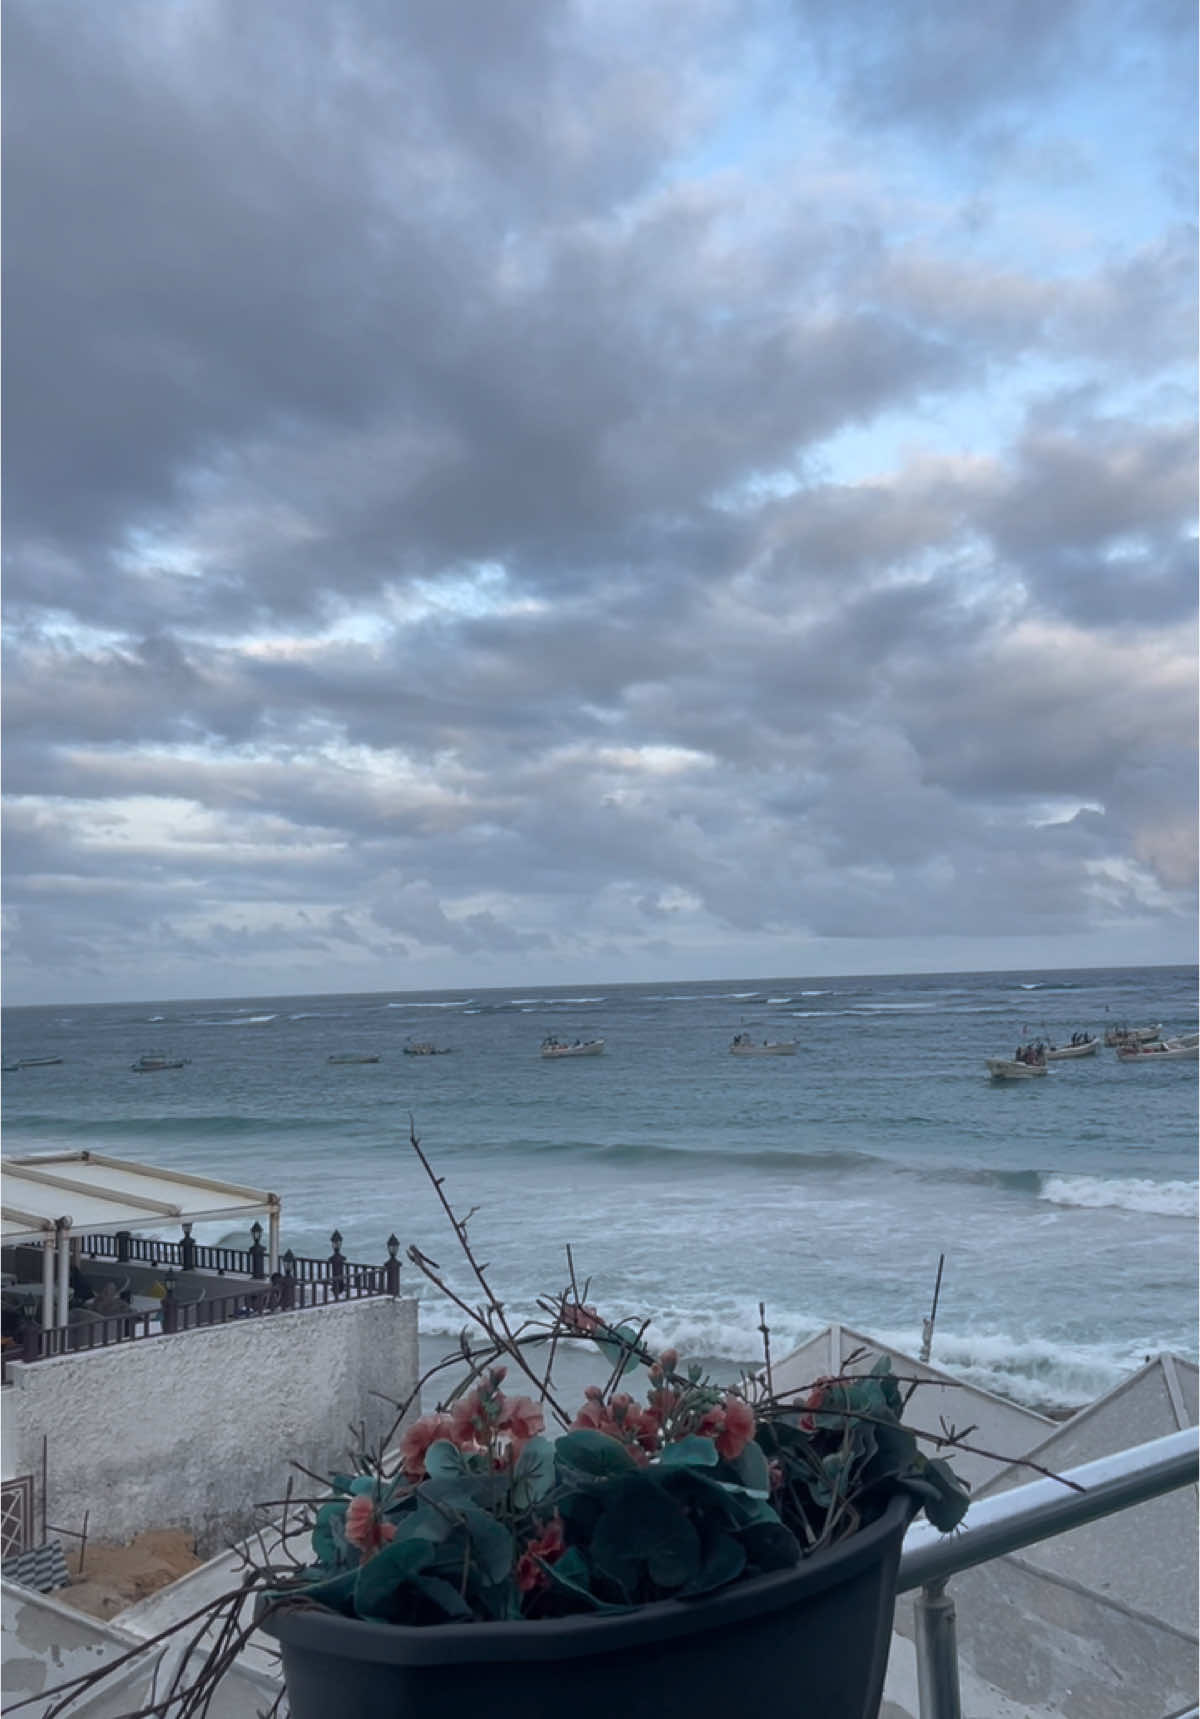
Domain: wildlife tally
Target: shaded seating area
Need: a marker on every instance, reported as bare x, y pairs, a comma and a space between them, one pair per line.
52, 1200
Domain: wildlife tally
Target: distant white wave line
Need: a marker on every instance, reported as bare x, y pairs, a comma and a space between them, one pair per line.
242, 1021
1033, 1369
1128, 1193
430, 1005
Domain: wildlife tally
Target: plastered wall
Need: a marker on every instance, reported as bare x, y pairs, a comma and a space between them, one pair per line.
195, 1429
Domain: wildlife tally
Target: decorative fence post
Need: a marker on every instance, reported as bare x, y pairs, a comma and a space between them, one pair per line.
31, 1338
337, 1266
123, 1240
289, 1280
187, 1250
170, 1307
391, 1269
258, 1252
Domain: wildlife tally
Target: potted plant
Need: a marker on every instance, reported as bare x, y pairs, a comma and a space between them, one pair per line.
697, 1545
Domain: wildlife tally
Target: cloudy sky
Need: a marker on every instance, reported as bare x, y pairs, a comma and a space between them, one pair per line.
529, 491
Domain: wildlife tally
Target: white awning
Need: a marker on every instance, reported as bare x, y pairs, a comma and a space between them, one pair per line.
94, 1194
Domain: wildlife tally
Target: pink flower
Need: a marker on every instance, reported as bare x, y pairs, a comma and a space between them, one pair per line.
468, 1421
522, 1419
669, 1360
364, 1528
738, 1430
417, 1440
549, 1546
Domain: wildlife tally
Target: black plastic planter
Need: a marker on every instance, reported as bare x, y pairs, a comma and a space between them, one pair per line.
809, 1643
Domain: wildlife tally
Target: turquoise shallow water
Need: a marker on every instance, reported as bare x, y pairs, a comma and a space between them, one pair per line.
689, 1183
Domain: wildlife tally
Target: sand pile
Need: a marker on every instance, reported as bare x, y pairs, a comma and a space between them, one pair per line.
115, 1576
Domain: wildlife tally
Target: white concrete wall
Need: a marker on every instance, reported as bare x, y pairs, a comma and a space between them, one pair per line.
194, 1429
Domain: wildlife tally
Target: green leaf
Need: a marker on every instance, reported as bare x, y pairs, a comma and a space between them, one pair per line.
491, 1543
694, 1451
328, 1536
724, 1563
533, 1475
642, 1523
616, 1347
751, 1469
591, 1452
364, 1483
941, 1492
445, 1596
571, 1573
379, 1578
444, 1461
428, 1524
336, 1592
771, 1546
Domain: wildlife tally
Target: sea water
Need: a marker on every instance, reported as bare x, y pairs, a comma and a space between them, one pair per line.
692, 1185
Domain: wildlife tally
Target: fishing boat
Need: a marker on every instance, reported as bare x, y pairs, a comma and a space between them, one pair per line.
153, 1062
1029, 1062
424, 1047
744, 1045
1123, 1035
352, 1056
1084, 1045
36, 1062
555, 1047
1184, 1040
1158, 1053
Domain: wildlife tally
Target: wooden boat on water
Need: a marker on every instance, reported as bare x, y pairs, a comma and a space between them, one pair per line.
744, 1045
1085, 1045
1027, 1064
1123, 1035
35, 1062
555, 1047
153, 1062
352, 1056
1158, 1053
425, 1047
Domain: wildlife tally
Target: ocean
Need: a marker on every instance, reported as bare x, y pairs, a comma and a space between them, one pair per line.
691, 1184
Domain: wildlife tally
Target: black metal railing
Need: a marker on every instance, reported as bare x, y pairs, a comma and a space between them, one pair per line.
301, 1283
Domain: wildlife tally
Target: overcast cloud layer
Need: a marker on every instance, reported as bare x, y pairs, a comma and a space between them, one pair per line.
521, 491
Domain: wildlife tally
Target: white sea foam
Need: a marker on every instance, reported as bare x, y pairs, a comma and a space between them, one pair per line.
1129, 1193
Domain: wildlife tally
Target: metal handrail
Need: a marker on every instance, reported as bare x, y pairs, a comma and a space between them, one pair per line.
1043, 1508
1004, 1523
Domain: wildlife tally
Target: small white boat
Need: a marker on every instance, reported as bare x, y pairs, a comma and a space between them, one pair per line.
1159, 1053
1086, 1046
1123, 1035
744, 1045
1184, 1041
153, 1061
555, 1047
352, 1056
36, 1062
1029, 1062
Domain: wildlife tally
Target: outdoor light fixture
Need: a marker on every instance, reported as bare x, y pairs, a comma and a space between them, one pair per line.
256, 1232
393, 1246
336, 1239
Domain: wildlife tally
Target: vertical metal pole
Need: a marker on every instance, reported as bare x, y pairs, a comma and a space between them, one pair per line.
49, 1256
64, 1270
937, 1653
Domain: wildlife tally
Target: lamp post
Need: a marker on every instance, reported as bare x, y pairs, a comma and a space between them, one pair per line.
391, 1270
337, 1265
257, 1251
